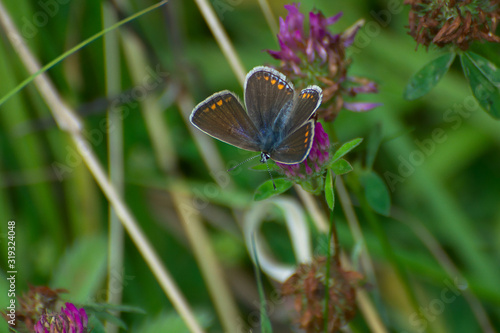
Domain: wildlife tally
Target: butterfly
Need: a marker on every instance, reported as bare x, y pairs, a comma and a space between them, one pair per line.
277, 121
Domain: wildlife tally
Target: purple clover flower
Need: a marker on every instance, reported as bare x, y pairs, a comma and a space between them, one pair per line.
319, 57
69, 320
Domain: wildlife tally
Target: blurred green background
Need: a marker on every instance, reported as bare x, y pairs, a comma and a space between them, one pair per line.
169, 58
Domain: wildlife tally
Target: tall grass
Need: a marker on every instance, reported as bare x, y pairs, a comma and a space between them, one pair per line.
94, 135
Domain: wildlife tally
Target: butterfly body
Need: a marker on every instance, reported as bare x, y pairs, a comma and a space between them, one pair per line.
276, 121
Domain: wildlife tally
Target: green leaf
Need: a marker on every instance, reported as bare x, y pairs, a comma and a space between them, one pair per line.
341, 167
96, 324
102, 312
376, 192
329, 193
258, 167
484, 80
372, 145
171, 322
82, 268
346, 147
428, 76
103, 307
487, 67
263, 167
266, 189
103, 317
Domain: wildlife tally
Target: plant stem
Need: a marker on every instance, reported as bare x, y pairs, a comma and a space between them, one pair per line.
386, 246
116, 237
222, 39
332, 234
67, 120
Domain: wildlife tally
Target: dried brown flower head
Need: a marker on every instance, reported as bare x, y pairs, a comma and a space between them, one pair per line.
453, 22
33, 304
308, 286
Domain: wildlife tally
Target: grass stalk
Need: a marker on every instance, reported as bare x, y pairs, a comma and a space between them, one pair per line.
447, 263
16, 39
67, 120
387, 249
268, 14
115, 157
222, 39
158, 131
352, 221
206, 258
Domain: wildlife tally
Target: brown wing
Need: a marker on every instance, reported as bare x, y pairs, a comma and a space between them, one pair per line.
295, 147
222, 116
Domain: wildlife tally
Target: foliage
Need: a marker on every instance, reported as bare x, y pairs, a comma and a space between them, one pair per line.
415, 203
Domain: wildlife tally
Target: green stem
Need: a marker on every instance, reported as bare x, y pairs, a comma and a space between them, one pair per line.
386, 246
116, 238
332, 234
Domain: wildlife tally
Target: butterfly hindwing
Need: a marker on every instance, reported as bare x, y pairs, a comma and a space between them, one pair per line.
305, 105
277, 121
295, 147
223, 117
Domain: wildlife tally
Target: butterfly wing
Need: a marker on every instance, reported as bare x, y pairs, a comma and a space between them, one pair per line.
295, 147
267, 92
304, 106
222, 116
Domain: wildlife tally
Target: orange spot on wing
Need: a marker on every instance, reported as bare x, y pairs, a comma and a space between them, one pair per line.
307, 139
213, 106
273, 81
219, 103
227, 99
307, 133
281, 86
266, 77
205, 110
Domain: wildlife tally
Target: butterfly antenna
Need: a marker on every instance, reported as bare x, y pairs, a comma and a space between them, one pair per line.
237, 165
270, 175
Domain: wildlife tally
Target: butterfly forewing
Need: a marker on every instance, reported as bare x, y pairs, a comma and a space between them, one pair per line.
276, 123
305, 104
266, 93
295, 148
223, 117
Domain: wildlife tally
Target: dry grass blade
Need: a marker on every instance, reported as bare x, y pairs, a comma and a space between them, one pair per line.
67, 120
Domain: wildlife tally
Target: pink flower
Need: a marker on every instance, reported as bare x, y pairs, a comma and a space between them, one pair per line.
69, 320
318, 157
318, 57
292, 37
